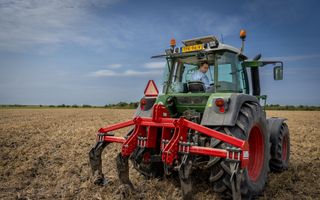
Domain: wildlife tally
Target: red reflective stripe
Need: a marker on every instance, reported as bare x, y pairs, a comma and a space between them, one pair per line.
208, 151
114, 139
116, 126
215, 134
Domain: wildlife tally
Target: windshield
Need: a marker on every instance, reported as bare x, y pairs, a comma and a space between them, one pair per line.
224, 73
229, 74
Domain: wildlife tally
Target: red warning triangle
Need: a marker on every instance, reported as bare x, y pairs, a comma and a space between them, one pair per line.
151, 89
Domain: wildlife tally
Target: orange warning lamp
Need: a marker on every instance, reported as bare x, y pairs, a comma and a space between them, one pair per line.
173, 43
243, 34
151, 89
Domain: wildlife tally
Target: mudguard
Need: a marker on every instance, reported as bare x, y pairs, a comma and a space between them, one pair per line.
212, 117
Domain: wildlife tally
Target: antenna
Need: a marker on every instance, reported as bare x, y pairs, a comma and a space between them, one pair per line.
222, 38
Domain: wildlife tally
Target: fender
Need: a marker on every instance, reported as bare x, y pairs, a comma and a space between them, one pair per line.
211, 117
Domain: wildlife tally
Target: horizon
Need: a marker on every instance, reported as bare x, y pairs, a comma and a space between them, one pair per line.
98, 52
128, 103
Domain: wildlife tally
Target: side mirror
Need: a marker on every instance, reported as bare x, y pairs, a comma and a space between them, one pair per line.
278, 73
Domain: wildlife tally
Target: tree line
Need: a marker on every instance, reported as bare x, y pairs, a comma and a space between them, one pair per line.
120, 105
133, 105
290, 107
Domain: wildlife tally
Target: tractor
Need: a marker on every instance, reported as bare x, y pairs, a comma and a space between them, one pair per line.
219, 129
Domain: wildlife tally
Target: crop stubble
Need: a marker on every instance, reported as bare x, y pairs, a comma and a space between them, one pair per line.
44, 155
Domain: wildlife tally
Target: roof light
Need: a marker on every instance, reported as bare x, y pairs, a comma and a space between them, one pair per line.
151, 89
243, 34
173, 42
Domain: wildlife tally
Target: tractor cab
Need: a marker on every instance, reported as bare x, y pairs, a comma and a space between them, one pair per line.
225, 73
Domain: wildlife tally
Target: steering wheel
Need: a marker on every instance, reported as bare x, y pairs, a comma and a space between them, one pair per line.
196, 86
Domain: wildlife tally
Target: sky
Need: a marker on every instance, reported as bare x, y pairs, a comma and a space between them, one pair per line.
98, 51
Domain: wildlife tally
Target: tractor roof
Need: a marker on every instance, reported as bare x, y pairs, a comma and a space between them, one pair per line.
212, 41
228, 47
201, 44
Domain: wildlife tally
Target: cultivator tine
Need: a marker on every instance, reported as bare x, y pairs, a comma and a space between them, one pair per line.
185, 171
96, 164
123, 170
235, 180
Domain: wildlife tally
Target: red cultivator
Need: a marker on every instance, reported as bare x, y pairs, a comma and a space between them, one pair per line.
174, 146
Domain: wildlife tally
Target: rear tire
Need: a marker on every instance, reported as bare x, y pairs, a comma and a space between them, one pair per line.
251, 126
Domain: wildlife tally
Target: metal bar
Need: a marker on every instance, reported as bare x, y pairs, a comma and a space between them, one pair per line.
131, 143
114, 139
167, 125
207, 151
170, 152
151, 139
116, 126
170, 123
215, 134
162, 120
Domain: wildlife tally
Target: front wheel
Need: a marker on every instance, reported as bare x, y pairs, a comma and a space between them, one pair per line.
280, 145
250, 126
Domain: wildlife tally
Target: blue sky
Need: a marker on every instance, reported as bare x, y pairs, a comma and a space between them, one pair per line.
98, 51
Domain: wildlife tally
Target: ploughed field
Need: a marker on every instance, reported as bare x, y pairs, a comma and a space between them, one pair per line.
44, 155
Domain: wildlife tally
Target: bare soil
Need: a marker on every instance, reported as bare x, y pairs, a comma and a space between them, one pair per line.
44, 155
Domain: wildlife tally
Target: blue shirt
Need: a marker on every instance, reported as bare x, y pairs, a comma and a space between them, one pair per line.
199, 76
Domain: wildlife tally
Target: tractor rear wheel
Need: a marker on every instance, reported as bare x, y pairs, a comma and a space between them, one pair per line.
251, 126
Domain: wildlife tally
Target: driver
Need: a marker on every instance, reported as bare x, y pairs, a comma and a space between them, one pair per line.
200, 75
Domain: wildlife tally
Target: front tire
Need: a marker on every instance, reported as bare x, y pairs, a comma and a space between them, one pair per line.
251, 126
280, 149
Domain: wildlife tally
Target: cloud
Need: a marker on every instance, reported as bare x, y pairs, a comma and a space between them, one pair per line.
30, 24
103, 73
155, 65
127, 73
294, 58
114, 66
44, 25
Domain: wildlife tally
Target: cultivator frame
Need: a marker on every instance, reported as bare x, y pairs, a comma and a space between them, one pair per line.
174, 144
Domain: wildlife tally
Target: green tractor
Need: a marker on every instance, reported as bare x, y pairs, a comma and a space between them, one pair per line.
207, 119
